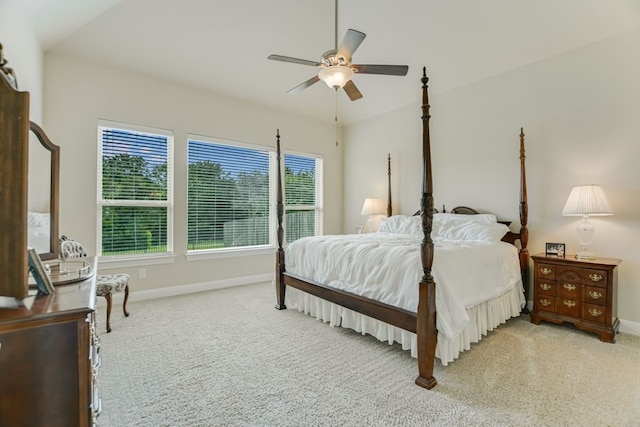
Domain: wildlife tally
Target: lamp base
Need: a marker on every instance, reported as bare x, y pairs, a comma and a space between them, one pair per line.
586, 255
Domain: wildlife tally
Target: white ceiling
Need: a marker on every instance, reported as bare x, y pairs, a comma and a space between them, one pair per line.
222, 45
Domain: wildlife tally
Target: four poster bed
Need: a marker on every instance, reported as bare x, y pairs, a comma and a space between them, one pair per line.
368, 282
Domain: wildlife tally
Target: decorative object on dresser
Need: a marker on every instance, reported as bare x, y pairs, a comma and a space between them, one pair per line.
107, 284
39, 273
582, 292
585, 201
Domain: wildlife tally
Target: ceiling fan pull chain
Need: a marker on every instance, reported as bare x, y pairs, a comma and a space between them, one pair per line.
336, 116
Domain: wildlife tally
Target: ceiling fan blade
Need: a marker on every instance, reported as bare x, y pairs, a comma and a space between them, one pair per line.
352, 91
294, 60
391, 70
301, 86
350, 43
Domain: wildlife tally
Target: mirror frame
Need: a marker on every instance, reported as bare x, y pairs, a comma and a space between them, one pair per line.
54, 248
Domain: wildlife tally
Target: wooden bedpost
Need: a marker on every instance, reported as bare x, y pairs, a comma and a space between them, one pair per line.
524, 215
426, 322
280, 286
389, 208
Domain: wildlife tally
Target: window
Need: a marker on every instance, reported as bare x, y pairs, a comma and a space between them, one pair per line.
228, 195
135, 190
302, 196
231, 195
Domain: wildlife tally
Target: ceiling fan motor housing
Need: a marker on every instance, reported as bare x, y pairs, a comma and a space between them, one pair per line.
330, 58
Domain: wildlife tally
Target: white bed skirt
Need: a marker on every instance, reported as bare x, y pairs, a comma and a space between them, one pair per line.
484, 317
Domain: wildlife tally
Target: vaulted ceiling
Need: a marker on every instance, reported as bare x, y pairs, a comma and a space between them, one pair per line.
222, 46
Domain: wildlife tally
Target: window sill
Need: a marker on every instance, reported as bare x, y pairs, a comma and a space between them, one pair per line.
122, 262
229, 253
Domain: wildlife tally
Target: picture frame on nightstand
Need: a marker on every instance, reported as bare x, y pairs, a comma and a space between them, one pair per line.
555, 250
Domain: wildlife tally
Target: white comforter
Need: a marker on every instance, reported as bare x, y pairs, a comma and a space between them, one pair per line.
387, 267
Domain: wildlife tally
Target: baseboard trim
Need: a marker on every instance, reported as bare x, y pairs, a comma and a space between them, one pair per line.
188, 289
629, 327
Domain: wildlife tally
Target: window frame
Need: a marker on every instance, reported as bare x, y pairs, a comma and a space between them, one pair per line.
143, 258
319, 195
226, 252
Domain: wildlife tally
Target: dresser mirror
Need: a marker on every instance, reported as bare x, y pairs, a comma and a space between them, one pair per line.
44, 175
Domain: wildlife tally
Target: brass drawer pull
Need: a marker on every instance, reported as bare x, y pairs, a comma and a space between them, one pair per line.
594, 312
595, 295
545, 286
569, 303
595, 277
545, 302
545, 270
569, 287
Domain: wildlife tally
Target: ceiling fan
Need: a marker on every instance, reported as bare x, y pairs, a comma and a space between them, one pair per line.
336, 69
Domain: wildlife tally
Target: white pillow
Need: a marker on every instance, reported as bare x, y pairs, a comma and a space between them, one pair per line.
38, 219
443, 217
465, 230
401, 224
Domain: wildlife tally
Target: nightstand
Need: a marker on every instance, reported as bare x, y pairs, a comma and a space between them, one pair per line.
582, 292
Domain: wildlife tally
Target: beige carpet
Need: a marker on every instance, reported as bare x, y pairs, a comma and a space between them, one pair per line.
228, 358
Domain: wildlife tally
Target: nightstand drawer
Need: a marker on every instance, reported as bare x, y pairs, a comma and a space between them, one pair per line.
569, 306
594, 295
545, 287
546, 303
569, 290
545, 271
596, 278
595, 313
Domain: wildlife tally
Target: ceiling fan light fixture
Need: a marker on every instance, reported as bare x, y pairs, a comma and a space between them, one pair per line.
335, 76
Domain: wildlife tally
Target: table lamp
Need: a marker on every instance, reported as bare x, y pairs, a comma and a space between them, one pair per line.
374, 208
585, 201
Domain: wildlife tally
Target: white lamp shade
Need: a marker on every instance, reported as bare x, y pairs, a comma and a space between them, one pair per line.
335, 76
372, 206
587, 200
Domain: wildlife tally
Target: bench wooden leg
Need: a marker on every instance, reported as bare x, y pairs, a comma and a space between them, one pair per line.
126, 298
107, 296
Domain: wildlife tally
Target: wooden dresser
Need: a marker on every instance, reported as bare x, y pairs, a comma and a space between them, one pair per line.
583, 292
49, 359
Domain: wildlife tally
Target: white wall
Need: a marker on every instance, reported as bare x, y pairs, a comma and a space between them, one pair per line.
78, 93
22, 49
580, 115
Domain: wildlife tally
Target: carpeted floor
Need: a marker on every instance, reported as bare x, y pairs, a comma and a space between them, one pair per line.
228, 358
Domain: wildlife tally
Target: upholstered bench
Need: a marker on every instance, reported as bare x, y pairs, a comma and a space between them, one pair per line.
107, 285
